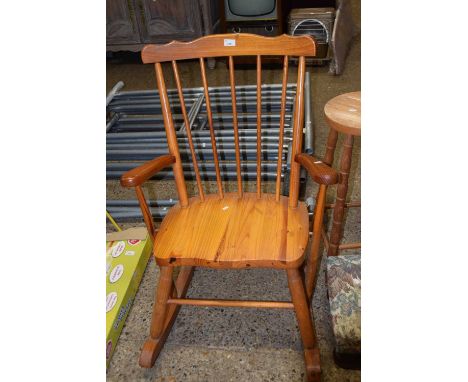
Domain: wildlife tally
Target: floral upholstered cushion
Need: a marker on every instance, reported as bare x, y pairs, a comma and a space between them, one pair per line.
344, 293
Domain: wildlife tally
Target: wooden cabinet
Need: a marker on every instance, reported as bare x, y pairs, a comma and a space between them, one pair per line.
121, 23
133, 23
171, 20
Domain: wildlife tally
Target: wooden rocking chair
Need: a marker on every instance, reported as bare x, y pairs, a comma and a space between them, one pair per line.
233, 230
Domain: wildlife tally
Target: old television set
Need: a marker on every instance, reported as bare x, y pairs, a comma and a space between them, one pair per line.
249, 10
261, 17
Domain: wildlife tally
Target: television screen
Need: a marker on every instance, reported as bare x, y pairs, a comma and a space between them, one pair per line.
251, 8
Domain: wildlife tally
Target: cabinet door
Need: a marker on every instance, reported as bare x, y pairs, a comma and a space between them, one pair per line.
121, 24
163, 21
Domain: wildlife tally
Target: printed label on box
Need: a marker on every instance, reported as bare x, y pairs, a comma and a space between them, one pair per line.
133, 241
111, 300
116, 273
118, 249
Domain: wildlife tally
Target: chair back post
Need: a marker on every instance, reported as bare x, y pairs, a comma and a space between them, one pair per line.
297, 135
171, 137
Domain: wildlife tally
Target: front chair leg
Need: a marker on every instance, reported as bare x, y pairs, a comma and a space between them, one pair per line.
152, 346
306, 327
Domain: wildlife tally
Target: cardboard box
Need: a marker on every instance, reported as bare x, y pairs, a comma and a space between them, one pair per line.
127, 254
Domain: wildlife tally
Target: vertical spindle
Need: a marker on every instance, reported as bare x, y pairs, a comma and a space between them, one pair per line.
259, 126
234, 119
210, 123
188, 130
171, 137
281, 130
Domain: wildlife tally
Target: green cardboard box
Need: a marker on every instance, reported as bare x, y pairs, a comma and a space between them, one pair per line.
127, 254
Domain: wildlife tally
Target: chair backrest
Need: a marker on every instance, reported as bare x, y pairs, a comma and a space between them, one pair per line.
231, 45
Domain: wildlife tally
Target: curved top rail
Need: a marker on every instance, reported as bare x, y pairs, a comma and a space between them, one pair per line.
233, 44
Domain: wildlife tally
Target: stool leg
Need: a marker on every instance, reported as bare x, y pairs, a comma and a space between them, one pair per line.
342, 190
328, 159
331, 145
306, 327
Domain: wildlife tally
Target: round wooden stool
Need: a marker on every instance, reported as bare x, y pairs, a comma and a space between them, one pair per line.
343, 115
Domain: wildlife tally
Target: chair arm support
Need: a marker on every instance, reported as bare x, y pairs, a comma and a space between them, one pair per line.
140, 174
319, 171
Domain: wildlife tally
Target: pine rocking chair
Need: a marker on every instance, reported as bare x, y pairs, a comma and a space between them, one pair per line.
233, 230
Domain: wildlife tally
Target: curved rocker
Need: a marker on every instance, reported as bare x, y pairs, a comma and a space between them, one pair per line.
158, 335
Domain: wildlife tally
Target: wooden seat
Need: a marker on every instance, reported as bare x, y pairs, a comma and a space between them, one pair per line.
343, 113
234, 233
234, 230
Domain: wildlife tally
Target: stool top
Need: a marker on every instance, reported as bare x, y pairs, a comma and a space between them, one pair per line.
343, 113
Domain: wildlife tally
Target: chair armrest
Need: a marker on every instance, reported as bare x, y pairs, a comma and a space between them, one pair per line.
319, 171
141, 174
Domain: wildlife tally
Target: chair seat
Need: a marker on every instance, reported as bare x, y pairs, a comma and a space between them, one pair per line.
344, 293
233, 232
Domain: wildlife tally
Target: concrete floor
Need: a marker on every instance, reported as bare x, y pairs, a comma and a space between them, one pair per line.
226, 344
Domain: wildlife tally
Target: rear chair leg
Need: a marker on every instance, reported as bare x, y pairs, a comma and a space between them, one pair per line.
304, 319
153, 345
